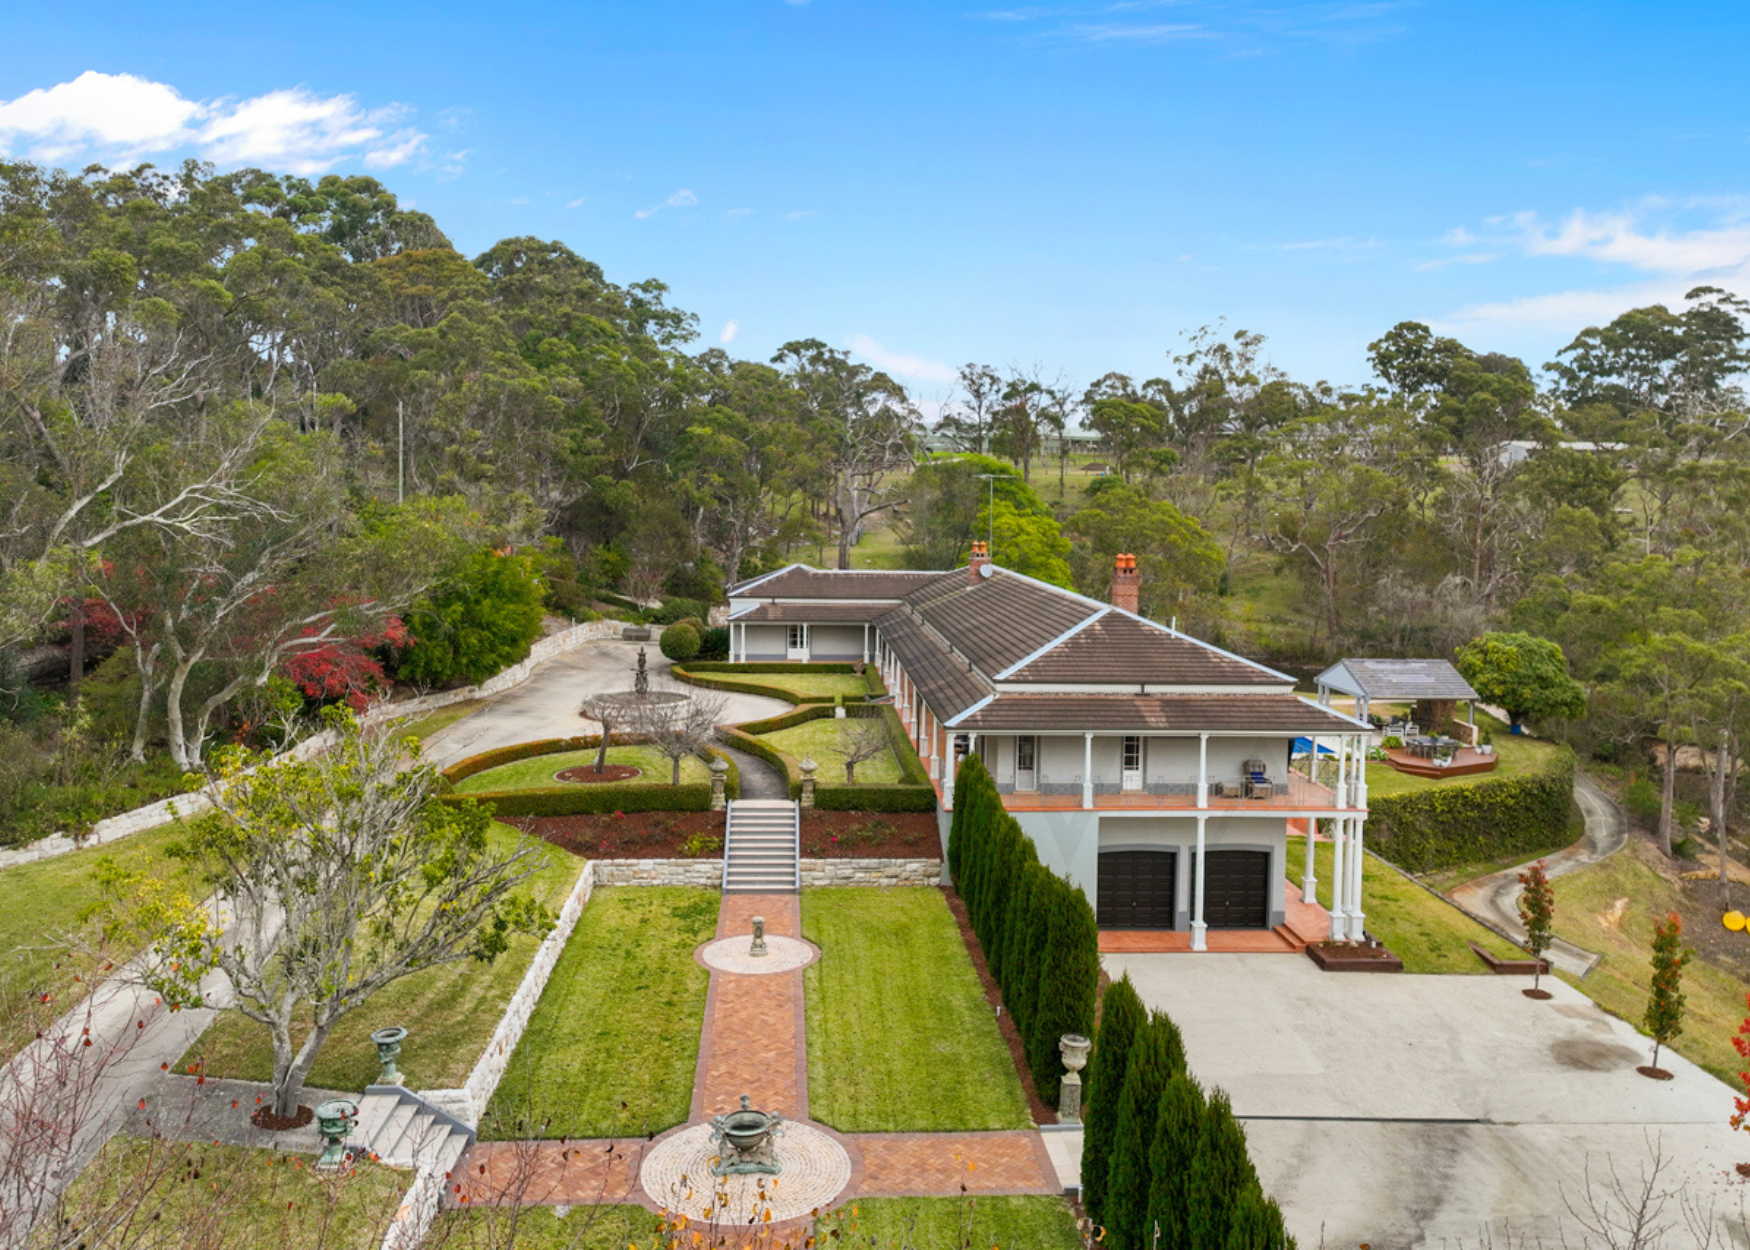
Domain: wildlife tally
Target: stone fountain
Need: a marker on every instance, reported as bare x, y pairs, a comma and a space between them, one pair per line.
746, 1142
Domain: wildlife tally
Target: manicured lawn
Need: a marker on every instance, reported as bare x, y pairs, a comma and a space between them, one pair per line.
1518, 756
900, 1037
205, 1194
822, 740
538, 772
1611, 907
815, 687
450, 1012
1016, 1222
606, 1227
424, 727
1427, 933
43, 902
619, 1022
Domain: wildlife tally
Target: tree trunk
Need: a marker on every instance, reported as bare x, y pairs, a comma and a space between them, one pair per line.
173, 713
1717, 809
147, 665
676, 779
288, 1080
1668, 796
76, 650
601, 751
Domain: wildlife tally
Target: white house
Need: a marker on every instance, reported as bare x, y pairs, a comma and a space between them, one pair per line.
1149, 766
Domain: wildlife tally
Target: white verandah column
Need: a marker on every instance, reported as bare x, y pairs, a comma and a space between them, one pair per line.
1309, 882
1357, 861
1199, 930
1087, 771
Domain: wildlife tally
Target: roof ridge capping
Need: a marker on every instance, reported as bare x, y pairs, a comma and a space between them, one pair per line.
766, 577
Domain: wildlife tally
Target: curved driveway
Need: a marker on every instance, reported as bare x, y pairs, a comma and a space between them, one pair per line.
1494, 899
545, 706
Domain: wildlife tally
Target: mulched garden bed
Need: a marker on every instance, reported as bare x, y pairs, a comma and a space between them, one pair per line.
1042, 1114
588, 774
667, 835
264, 1118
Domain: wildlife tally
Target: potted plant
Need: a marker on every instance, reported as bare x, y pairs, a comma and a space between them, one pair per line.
1485, 742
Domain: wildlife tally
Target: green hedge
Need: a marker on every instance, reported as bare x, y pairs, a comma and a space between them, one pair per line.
758, 747
581, 800
1463, 822
769, 666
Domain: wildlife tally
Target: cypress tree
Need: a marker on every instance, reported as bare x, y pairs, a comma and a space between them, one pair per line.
1010, 931
1039, 891
978, 799
1257, 1224
1221, 1172
966, 792
1130, 1179
1121, 1015
1000, 889
1069, 980
1178, 1130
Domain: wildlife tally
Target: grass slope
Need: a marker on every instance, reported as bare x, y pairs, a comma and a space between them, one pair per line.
538, 772
1427, 933
450, 1012
900, 1037
606, 1227
42, 903
1611, 907
1016, 1222
204, 1194
619, 1021
823, 741
809, 687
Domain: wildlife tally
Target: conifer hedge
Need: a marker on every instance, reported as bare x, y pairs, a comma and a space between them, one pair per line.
1121, 1018
1037, 930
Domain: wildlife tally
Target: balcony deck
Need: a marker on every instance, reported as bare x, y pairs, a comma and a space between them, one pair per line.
1296, 794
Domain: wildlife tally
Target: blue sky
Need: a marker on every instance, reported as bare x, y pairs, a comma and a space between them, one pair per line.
1064, 187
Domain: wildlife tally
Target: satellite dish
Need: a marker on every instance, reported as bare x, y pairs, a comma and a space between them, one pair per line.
987, 570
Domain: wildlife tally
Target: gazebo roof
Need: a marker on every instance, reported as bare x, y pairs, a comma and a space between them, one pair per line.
1397, 680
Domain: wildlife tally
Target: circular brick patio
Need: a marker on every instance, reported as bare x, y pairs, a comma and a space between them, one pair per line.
783, 954
677, 1176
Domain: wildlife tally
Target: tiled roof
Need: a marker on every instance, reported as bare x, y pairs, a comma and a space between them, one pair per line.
946, 683
999, 620
814, 613
1151, 713
1398, 679
801, 582
1119, 648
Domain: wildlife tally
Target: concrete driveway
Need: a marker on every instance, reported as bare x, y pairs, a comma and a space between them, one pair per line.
545, 706
1423, 1110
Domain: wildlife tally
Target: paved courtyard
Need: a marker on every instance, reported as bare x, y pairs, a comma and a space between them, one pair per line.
545, 706
1403, 1110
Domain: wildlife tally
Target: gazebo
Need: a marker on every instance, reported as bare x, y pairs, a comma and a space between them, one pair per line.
1396, 681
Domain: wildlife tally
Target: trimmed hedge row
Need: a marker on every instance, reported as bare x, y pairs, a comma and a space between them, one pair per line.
1036, 929
1459, 823
581, 800
771, 666
705, 674
914, 793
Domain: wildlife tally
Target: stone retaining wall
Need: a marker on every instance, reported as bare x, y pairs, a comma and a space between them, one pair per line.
871, 872
155, 814
697, 872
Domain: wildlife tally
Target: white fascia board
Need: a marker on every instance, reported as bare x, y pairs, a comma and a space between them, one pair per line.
1331, 711
1136, 690
976, 707
744, 587
1058, 641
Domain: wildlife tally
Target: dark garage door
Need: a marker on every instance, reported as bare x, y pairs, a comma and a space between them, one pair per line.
1236, 890
1136, 889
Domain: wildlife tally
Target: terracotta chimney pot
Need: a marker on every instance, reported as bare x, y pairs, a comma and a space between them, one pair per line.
980, 557
1124, 583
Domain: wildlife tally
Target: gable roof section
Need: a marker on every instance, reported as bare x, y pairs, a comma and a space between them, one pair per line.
1123, 649
1157, 713
946, 683
799, 581
1002, 619
1397, 679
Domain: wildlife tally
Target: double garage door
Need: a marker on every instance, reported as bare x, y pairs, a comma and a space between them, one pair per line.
1138, 889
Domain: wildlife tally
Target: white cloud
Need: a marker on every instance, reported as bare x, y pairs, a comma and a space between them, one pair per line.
798, 214
125, 117
730, 329
680, 199
1566, 311
897, 362
519, 200
739, 212
1464, 258
577, 203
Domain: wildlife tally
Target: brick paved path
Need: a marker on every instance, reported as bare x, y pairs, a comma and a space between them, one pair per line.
755, 1043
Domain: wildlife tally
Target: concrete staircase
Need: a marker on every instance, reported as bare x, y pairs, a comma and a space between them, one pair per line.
405, 1131
762, 847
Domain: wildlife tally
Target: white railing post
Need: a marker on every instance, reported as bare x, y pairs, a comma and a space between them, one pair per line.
1199, 930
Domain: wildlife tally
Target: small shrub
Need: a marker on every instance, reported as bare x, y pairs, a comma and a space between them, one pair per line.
700, 845
714, 643
1640, 798
674, 610
1392, 742
679, 642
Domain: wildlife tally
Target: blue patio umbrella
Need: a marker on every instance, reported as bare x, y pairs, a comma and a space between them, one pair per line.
1304, 746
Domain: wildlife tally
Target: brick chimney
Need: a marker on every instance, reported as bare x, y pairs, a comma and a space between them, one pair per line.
980, 557
1124, 582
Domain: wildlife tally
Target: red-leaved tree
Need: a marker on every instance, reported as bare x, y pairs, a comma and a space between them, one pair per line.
344, 669
1664, 1015
1741, 1043
1537, 909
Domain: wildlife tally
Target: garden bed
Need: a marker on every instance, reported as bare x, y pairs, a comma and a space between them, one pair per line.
1353, 957
682, 835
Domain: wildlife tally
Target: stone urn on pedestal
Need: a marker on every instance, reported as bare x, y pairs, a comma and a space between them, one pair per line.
1073, 1047
745, 1140
388, 1052
334, 1120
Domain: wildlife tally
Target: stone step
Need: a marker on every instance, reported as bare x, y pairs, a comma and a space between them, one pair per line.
404, 1151
374, 1109
383, 1140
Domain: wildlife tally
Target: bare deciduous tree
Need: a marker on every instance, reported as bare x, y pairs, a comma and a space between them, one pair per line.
678, 730
862, 740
